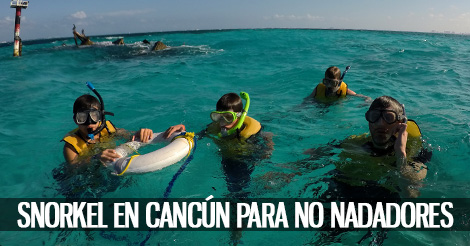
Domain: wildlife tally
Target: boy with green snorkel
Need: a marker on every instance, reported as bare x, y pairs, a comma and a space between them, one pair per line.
241, 141
230, 120
239, 137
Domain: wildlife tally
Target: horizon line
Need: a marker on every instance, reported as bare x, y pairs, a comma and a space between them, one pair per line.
6, 43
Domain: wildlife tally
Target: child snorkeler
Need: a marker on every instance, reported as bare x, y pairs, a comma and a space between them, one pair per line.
92, 137
240, 139
333, 87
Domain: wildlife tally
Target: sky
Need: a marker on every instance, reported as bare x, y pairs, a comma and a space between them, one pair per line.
54, 19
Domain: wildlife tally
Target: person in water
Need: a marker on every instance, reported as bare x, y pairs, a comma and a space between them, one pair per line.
93, 129
242, 145
389, 162
391, 133
333, 87
84, 40
92, 137
239, 137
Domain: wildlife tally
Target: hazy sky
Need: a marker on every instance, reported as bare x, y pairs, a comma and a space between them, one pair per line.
53, 18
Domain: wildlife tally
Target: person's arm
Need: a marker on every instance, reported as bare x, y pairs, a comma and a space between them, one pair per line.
352, 93
310, 97
72, 157
411, 171
268, 139
313, 94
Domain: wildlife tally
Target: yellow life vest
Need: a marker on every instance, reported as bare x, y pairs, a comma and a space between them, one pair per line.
321, 90
413, 129
252, 127
358, 164
79, 144
237, 144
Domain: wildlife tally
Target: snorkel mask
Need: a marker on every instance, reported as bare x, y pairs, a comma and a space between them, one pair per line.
389, 116
87, 117
335, 83
92, 116
229, 117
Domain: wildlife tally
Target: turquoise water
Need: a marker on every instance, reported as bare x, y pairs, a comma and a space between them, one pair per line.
278, 67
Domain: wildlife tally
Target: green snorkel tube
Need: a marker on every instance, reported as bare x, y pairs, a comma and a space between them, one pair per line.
245, 96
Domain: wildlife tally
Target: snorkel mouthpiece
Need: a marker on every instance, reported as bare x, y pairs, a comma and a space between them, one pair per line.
223, 132
231, 131
90, 134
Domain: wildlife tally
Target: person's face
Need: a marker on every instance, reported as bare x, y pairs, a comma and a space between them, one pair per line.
332, 84
380, 130
225, 119
85, 129
224, 124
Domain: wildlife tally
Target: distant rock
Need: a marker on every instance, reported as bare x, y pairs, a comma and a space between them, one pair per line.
159, 46
119, 41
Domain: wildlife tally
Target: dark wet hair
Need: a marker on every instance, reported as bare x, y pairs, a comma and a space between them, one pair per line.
333, 73
85, 102
230, 101
384, 102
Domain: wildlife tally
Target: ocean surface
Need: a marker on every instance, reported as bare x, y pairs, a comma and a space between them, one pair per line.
427, 72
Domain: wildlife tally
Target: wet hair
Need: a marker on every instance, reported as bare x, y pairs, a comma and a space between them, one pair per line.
230, 101
85, 102
384, 102
333, 73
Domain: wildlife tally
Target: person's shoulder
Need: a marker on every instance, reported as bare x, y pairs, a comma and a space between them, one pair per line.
356, 140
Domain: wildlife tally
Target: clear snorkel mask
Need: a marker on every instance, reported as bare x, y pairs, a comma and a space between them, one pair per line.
229, 117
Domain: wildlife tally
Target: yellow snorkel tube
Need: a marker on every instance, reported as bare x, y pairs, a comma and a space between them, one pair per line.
232, 130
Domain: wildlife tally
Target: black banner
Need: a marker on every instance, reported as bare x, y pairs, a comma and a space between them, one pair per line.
223, 214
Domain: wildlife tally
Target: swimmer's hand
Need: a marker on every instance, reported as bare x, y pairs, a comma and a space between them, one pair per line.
108, 155
143, 135
173, 129
400, 143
